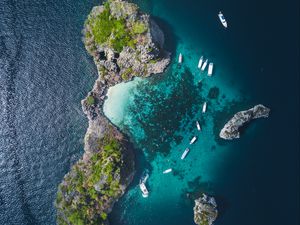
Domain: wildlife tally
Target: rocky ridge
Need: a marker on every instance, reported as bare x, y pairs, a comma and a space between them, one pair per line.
232, 128
134, 47
205, 210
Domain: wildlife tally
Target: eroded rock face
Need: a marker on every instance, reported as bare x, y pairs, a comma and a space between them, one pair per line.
143, 58
88, 192
231, 130
205, 210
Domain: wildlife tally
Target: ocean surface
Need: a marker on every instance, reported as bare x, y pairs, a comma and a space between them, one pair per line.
45, 72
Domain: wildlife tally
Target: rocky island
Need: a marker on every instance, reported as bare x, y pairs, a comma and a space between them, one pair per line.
124, 43
205, 210
232, 128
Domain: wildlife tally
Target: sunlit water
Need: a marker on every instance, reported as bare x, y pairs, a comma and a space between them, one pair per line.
45, 72
160, 115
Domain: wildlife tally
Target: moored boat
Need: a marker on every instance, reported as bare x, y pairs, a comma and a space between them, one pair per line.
145, 192
204, 65
204, 107
193, 140
143, 180
222, 19
180, 58
198, 125
167, 171
186, 151
200, 62
210, 69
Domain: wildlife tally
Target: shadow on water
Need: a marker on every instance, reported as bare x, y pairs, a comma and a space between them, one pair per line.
171, 40
141, 165
223, 116
167, 109
195, 190
196, 187
223, 205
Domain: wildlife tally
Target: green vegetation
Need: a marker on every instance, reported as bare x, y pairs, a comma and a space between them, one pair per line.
103, 216
75, 218
94, 183
101, 25
153, 61
90, 100
112, 31
103, 72
204, 222
91, 186
121, 36
126, 73
139, 28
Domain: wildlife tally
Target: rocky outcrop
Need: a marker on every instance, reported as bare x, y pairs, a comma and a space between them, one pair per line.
131, 45
205, 210
232, 128
142, 56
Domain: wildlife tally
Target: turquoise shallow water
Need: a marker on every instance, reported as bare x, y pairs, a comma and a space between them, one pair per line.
160, 114
45, 72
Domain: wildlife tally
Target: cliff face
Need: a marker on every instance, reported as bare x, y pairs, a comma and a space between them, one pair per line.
133, 46
124, 43
231, 130
205, 210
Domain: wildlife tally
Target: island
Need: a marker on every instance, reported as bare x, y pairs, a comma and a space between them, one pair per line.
124, 43
205, 210
232, 128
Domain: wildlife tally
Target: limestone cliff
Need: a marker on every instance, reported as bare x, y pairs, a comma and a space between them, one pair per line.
231, 130
124, 43
205, 210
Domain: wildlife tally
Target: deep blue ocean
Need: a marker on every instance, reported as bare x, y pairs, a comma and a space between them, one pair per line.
45, 72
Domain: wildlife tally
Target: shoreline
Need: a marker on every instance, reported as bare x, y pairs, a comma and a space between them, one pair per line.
117, 100
88, 178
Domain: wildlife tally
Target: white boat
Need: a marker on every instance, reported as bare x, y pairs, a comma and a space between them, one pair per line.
167, 171
145, 192
142, 184
193, 140
198, 125
186, 151
200, 62
204, 65
222, 19
204, 107
210, 69
180, 58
